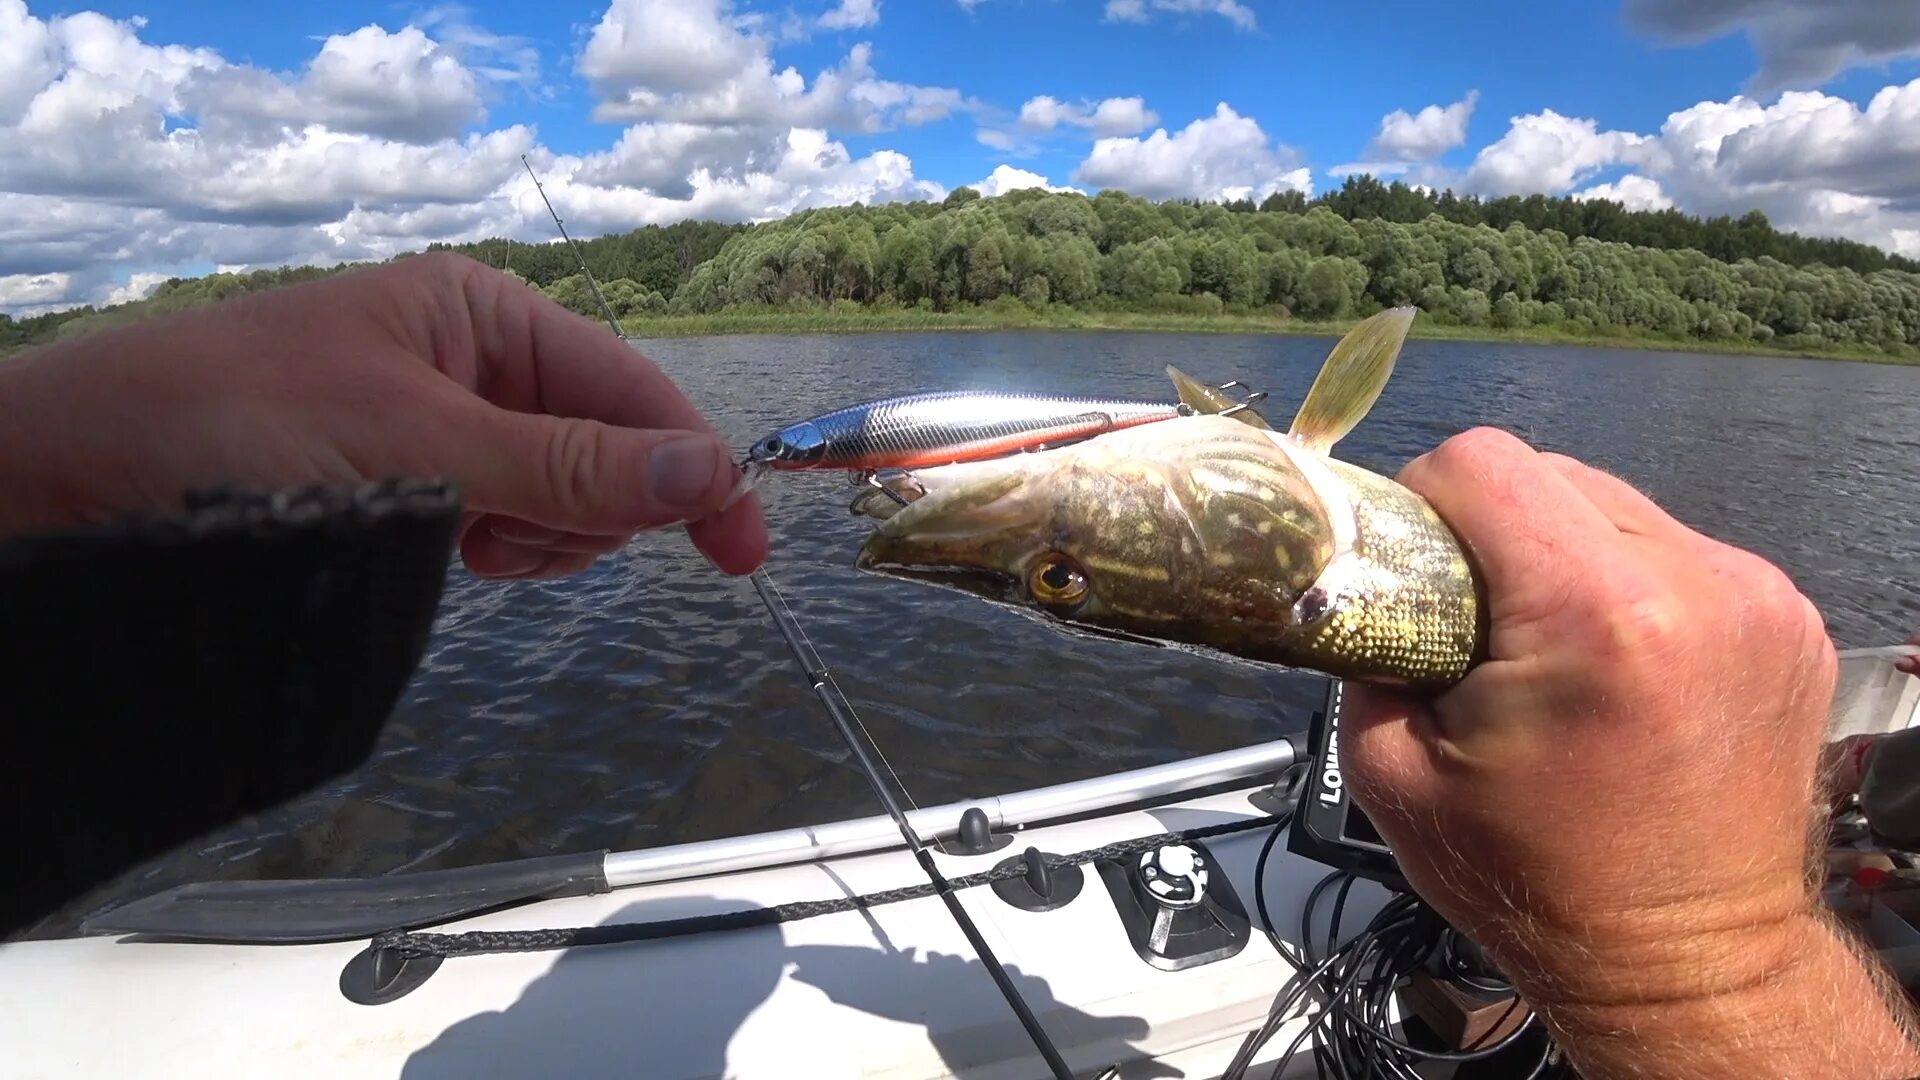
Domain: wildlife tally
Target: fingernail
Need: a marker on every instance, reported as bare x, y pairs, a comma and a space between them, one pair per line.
681, 472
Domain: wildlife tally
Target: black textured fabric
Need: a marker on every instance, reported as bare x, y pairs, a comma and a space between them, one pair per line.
169, 674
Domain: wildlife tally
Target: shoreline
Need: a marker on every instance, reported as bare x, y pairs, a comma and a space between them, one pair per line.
986, 320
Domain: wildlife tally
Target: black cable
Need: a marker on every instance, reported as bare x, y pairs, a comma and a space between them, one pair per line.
1283, 1001
1359, 979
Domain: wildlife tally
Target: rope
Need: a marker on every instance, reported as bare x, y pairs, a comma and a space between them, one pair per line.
412, 945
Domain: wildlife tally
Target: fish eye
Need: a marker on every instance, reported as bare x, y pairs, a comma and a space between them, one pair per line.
1056, 582
773, 445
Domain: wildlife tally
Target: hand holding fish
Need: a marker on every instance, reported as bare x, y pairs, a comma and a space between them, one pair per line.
563, 440
1617, 803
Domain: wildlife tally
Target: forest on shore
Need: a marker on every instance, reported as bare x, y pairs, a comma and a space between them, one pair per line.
1532, 268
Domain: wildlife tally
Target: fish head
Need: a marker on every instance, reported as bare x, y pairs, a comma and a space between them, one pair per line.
1195, 531
796, 446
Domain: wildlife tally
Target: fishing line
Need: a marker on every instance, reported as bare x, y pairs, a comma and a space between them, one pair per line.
592, 284
751, 473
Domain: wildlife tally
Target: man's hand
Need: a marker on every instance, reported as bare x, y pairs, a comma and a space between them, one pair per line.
1620, 803
564, 441
1910, 664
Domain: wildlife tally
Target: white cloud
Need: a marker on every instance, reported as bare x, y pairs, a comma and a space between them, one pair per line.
1547, 152
852, 15
138, 287
998, 140
1799, 42
496, 58
1812, 162
1425, 135
28, 59
1811, 138
30, 294
1138, 11
663, 158
693, 61
1223, 156
1113, 116
399, 85
667, 46
1005, 178
124, 161
1633, 191
813, 170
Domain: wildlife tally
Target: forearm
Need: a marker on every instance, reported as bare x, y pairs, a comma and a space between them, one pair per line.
1818, 1007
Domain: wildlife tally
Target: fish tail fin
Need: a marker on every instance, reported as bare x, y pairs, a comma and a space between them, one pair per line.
1352, 378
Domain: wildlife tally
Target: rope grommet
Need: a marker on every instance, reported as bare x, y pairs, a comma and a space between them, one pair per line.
378, 974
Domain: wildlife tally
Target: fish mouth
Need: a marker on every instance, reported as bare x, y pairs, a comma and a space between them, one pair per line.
994, 586
973, 580
975, 529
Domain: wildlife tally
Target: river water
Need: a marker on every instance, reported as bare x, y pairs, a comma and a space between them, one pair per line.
650, 701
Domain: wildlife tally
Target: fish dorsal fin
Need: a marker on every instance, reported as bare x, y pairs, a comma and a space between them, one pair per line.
1210, 400
1351, 380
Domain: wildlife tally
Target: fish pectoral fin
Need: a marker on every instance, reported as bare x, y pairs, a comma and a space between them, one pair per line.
1210, 401
1351, 380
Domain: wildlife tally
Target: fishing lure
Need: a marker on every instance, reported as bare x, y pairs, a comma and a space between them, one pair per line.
945, 428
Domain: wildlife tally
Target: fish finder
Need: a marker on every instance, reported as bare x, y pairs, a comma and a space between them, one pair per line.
1328, 826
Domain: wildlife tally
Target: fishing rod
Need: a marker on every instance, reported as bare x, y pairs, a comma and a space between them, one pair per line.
843, 716
840, 711
591, 284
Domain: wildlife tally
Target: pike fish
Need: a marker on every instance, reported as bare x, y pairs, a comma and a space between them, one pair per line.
1214, 533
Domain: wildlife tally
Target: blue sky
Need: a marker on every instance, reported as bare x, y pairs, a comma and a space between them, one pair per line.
156, 137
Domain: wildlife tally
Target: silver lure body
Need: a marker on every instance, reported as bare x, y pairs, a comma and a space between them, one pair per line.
924, 430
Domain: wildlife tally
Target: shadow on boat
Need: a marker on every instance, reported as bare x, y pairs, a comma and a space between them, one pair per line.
748, 1003
666, 1008
870, 980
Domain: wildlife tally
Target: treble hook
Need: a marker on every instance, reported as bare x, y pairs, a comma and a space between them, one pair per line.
870, 478
1252, 399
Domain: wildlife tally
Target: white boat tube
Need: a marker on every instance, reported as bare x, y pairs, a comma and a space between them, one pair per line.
934, 823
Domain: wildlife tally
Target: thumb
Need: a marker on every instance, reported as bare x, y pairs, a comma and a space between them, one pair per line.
585, 476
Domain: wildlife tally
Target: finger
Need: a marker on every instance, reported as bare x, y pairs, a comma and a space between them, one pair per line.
558, 564
1385, 753
735, 541
549, 359
527, 534
582, 476
541, 357
489, 556
1515, 513
1628, 509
